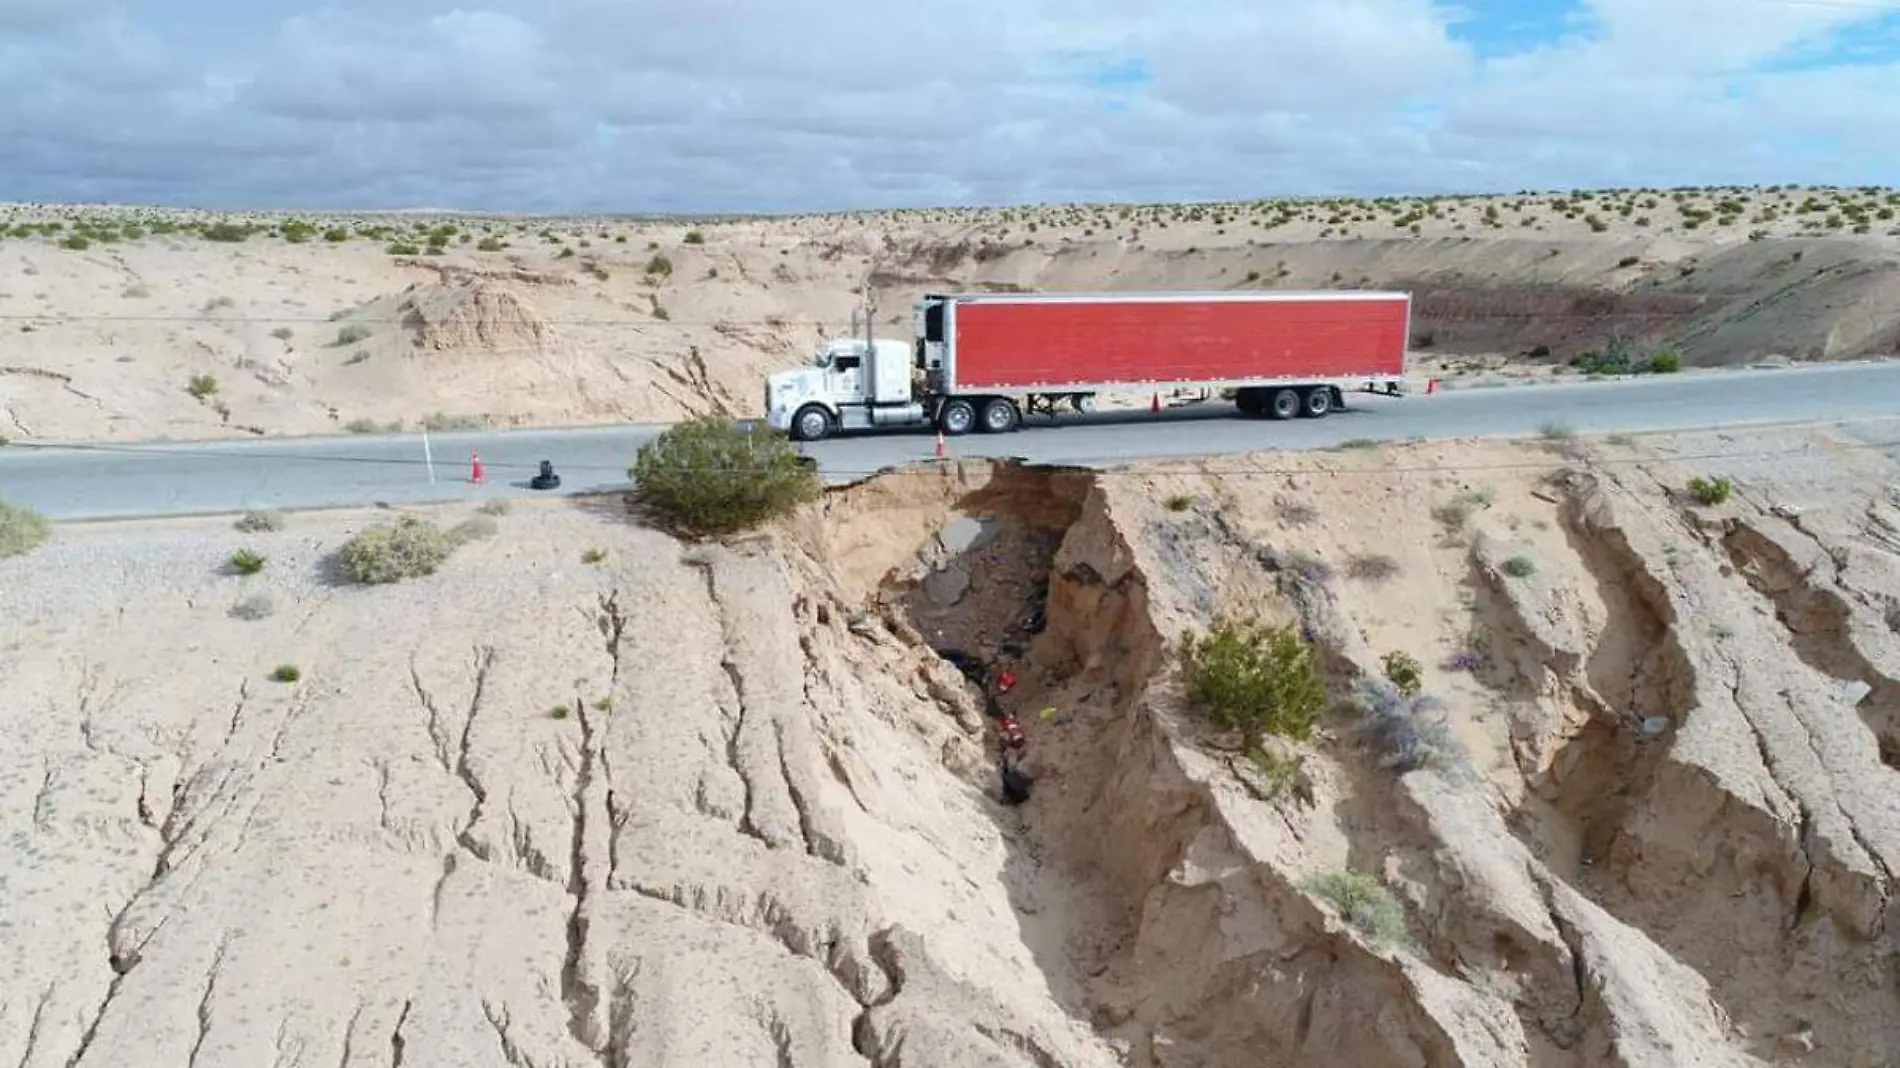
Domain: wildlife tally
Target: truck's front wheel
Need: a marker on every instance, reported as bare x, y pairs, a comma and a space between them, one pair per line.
812, 423
956, 416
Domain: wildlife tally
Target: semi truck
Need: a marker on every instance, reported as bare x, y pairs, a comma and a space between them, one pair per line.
984, 361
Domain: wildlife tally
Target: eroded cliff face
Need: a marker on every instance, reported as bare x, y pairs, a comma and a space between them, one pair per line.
738, 805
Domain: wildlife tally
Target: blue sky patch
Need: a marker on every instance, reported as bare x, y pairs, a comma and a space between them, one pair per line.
1494, 28
1866, 42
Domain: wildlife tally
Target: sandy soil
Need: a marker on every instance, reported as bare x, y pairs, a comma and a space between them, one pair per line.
587, 796
136, 324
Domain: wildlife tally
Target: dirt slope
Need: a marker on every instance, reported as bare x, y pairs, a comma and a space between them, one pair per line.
300, 326
727, 805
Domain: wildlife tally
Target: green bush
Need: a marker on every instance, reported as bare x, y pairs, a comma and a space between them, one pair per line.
247, 562
1710, 491
1519, 567
710, 476
659, 265
694, 237
21, 530
1256, 679
1405, 672
1665, 362
390, 552
286, 673
1363, 902
201, 386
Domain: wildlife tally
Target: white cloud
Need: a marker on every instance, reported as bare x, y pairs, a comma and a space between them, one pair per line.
776, 105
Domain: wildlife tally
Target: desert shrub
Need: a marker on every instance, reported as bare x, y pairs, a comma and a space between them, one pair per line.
1710, 491
253, 607
490, 244
336, 235
1295, 513
1256, 679
1363, 902
21, 530
475, 528
695, 237
494, 506
1179, 502
439, 422
259, 521
286, 673
1519, 567
1664, 362
1280, 773
390, 552
1410, 730
361, 426
1557, 431
1372, 567
351, 334
1404, 672
247, 562
659, 265
711, 476
230, 233
593, 556
201, 386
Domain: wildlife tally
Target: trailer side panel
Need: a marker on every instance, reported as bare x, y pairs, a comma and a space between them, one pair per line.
1050, 346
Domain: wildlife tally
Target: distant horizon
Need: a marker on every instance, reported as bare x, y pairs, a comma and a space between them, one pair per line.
714, 216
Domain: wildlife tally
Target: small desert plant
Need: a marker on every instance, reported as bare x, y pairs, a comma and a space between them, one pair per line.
711, 476
351, 334
1256, 679
1410, 730
253, 607
1519, 567
558, 712
283, 333
1308, 569
21, 530
1710, 491
286, 673
593, 556
260, 522
1557, 431
362, 426
1404, 672
1371, 567
1355, 444
1465, 660
694, 237
494, 506
1665, 362
1295, 513
1179, 502
1362, 902
1280, 773
659, 266
390, 552
440, 422
475, 528
247, 562
201, 386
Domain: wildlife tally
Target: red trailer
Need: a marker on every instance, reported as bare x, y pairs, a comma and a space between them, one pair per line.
988, 358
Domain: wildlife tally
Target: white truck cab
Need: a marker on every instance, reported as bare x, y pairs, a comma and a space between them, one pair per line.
849, 385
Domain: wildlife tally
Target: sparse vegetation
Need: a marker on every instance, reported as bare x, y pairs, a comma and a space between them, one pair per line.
1371, 567
494, 506
1711, 491
411, 547
478, 527
1364, 903
202, 386
593, 556
247, 562
21, 530
253, 607
351, 334
1178, 502
286, 673
259, 521
442, 422
1519, 567
1256, 679
1295, 513
710, 476
1409, 730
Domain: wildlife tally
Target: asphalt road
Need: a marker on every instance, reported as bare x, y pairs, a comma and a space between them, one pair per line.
108, 481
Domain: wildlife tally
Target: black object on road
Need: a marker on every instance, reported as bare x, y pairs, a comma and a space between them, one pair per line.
547, 479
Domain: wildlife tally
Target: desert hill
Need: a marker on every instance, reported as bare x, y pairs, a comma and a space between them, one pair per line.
123, 323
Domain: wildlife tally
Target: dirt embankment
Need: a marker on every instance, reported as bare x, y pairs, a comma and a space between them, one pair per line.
738, 805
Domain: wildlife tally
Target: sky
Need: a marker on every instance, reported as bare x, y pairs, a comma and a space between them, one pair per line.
554, 106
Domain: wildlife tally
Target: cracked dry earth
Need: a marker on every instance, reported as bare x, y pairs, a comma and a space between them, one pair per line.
726, 806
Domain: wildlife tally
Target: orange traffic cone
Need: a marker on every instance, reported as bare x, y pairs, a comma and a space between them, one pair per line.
476, 474
940, 449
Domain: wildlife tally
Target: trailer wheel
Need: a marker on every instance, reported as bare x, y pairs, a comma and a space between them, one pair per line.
1283, 404
999, 415
1317, 403
812, 423
956, 416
